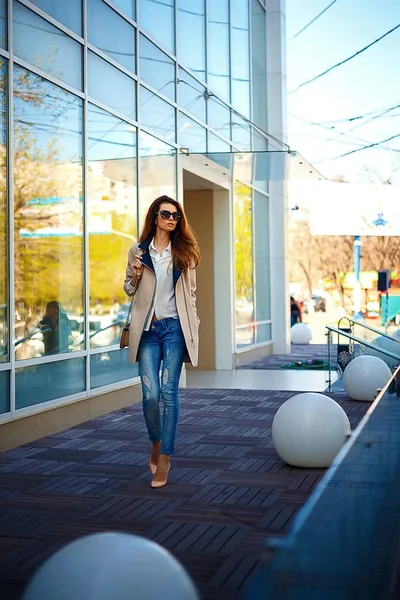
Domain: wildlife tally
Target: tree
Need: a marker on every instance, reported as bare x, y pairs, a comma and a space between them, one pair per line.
316, 258
243, 243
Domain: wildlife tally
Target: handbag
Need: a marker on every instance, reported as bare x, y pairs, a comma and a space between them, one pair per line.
124, 340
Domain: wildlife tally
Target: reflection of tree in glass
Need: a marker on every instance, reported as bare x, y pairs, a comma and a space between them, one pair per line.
243, 243
3, 219
47, 196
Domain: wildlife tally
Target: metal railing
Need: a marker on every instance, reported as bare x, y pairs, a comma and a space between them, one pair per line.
354, 339
344, 542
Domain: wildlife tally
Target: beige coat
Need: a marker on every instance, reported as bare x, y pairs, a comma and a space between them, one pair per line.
185, 288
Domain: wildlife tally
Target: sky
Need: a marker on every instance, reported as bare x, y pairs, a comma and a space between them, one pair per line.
369, 83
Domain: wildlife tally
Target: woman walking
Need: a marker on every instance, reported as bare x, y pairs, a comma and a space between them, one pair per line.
161, 275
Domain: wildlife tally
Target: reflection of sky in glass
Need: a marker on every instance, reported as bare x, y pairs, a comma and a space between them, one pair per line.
241, 136
69, 12
190, 35
157, 18
111, 33
219, 117
215, 144
240, 52
191, 134
157, 115
218, 47
48, 115
156, 68
259, 66
108, 137
191, 95
157, 172
45, 46
127, 6
3, 27
110, 86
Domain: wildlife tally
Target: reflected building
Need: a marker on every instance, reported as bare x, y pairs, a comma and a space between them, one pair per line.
106, 105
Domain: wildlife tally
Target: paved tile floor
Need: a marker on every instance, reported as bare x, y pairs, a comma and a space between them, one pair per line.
228, 489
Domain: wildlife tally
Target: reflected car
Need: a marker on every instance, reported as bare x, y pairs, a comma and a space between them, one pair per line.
319, 303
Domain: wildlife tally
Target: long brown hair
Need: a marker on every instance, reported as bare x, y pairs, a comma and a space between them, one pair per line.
184, 246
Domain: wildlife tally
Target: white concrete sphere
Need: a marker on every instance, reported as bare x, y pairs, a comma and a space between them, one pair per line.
389, 345
364, 375
309, 430
300, 333
111, 566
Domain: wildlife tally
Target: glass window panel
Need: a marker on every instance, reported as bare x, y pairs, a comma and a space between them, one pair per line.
48, 217
42, 383
260, 143
261, 172
156, 68
112, 220
245, 335
46, 46
192, 135
157, 171
240, 56
110, 367
4, 312
157, 115
241, 134
111, 33
218, 47
263, 333
262, 257
127, 6
4, 392
219, 117
3, 23
259, 65
243, 231
68, 13
157, 18
191, 35
192, 95
110, 86
215, 144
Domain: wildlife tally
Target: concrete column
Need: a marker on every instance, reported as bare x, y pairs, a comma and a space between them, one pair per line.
224, 303
276, 107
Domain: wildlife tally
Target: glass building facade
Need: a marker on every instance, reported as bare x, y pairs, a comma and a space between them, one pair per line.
98, 101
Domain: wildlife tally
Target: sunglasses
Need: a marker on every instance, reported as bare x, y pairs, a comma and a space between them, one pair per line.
166, 214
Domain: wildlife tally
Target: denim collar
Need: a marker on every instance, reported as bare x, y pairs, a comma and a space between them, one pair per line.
146, 259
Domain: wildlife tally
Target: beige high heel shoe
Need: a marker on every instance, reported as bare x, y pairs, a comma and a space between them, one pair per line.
162, 482
153, 468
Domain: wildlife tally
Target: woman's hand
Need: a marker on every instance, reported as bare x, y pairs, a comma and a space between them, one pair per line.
137, 267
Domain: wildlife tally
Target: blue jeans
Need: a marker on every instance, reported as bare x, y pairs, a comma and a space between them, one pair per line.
164, 342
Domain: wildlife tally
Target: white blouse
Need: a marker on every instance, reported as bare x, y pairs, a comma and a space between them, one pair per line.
164, 304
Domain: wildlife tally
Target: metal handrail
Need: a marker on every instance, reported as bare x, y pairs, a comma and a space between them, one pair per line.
363, 342
380, 333
353, 338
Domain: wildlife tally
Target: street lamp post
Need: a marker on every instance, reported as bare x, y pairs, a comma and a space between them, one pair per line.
357, 285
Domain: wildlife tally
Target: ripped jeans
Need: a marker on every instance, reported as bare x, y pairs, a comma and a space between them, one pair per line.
164, 342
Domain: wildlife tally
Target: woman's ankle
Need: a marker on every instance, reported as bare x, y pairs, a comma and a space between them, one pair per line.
164, 460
